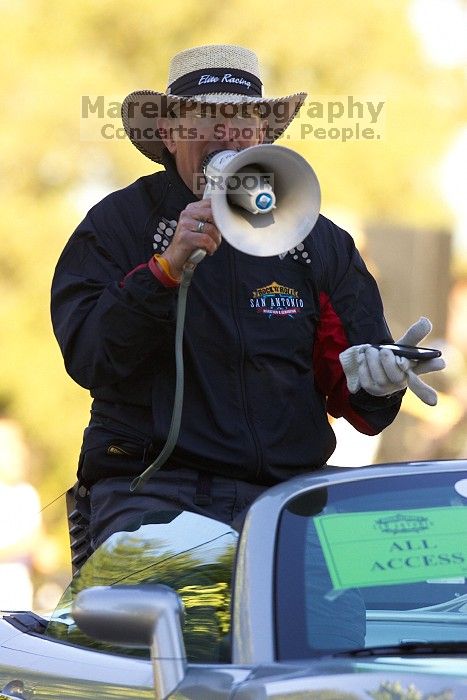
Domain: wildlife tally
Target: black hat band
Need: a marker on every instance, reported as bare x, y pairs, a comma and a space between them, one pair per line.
216, 80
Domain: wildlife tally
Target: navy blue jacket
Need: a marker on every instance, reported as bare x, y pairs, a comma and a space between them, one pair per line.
262, 340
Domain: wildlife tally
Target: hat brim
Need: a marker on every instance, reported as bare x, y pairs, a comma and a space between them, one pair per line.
139, 123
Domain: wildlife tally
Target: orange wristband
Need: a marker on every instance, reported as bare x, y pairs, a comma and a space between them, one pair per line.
159, 272
164, 264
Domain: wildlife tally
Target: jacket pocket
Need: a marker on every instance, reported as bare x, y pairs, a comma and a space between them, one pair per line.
106, 453
121, 449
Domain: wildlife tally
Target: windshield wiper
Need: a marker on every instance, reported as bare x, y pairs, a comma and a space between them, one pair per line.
410, 648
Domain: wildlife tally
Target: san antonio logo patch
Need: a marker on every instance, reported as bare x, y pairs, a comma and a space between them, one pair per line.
276, 300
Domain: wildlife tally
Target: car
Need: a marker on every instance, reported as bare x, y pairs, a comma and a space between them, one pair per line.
344, 584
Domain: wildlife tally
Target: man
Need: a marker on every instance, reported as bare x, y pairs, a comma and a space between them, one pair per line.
258, 383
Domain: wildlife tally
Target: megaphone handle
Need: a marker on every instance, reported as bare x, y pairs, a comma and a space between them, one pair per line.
199, 254
194, 258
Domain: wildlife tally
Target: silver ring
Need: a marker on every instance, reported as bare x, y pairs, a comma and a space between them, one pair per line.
200, 227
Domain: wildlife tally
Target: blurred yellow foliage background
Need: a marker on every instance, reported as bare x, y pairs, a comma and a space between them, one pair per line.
54, 53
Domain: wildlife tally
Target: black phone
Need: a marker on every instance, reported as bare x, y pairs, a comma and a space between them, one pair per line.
411, 352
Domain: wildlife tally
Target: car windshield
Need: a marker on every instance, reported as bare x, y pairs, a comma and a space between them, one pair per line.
373, 562
188, 552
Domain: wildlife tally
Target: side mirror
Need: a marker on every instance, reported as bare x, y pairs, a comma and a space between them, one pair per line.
138, 616
12, 691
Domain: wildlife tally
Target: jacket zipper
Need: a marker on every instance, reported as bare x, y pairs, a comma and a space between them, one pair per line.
234, 302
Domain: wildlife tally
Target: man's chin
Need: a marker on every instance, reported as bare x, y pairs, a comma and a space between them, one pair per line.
199, 183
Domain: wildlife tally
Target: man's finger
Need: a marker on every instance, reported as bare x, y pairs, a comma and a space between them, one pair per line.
417, 332
426, 366
422, 390
207, 227
375, 368
391, 366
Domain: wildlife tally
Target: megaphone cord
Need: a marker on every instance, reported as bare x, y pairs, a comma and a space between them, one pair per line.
174, 429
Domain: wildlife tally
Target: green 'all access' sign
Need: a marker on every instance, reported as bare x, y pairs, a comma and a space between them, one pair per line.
391, 547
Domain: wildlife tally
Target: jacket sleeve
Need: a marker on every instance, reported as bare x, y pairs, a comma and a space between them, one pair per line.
108, 318
351, 313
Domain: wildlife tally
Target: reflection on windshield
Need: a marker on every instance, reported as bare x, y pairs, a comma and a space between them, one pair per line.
375, 562
188, 552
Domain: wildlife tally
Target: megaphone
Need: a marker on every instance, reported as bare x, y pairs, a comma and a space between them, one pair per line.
265, 199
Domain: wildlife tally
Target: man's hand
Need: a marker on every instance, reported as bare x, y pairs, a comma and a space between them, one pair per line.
195, 229
382, 373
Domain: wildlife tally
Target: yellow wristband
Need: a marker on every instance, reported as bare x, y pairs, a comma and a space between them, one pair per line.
166, 267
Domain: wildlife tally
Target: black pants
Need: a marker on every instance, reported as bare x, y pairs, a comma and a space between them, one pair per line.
113, 508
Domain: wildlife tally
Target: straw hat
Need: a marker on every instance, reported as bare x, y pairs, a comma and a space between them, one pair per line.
216, 81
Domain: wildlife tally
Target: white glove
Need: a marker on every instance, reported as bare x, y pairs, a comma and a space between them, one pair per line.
382, 373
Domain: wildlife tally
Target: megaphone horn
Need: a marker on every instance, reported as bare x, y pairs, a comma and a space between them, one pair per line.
265, 199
